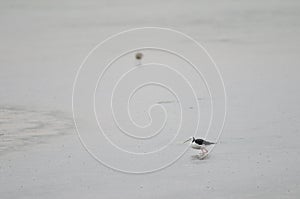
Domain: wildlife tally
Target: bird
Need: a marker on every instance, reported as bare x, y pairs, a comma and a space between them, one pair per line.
199, 144
138, 57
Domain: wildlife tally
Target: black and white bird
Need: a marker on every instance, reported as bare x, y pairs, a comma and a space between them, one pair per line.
199, 144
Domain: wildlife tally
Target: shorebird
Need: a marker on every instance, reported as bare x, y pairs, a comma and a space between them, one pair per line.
138, 57
199, 144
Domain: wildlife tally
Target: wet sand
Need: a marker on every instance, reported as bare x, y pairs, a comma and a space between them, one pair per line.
256, 46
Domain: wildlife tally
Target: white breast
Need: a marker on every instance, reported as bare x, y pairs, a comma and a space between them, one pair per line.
196, 146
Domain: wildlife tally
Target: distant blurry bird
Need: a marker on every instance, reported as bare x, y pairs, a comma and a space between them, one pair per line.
138, 57
199, 144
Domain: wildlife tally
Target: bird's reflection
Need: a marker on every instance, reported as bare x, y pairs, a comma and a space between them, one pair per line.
199, 157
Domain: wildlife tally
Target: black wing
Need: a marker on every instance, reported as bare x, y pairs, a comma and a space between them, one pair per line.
199, 141
208, 143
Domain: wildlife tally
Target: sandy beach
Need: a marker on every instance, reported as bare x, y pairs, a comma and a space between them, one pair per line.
256, 46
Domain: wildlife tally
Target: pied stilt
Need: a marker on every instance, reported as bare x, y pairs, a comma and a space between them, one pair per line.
199, 144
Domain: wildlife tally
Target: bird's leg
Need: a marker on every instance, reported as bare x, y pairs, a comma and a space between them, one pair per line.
204, 151
201, 151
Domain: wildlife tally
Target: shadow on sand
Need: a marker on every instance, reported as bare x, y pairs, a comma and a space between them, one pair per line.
199, 157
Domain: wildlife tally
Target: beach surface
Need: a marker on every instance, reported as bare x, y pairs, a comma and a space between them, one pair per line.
256, 46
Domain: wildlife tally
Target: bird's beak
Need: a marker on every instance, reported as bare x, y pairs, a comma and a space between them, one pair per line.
187, 140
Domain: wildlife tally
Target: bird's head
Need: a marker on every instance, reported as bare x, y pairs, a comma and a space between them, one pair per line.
190, 139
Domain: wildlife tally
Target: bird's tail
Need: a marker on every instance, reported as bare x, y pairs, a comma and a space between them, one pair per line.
208, 143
